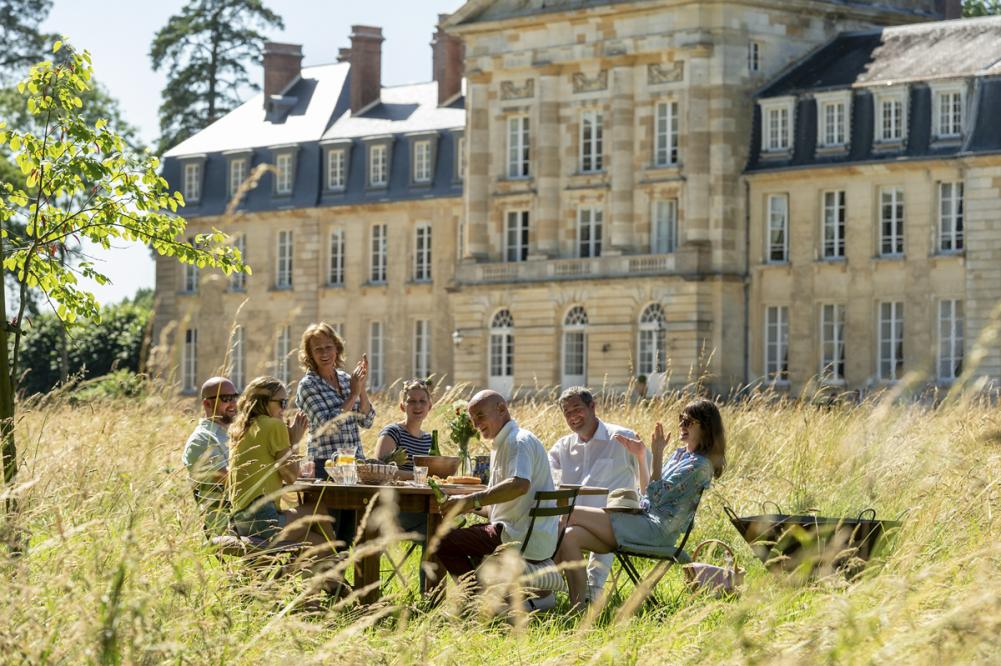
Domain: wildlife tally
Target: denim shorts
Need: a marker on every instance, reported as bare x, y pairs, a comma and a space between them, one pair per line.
261, 520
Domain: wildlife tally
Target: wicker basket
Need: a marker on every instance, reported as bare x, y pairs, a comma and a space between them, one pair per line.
376, 474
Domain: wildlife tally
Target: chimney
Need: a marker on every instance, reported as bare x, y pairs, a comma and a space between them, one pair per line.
448, 53
366, 66
949, 9
282, 65
343, 54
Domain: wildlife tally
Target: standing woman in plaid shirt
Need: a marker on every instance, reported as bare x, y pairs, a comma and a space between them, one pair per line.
335, 402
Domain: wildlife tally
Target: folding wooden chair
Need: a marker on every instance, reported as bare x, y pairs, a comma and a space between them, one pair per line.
549, 578
679, 556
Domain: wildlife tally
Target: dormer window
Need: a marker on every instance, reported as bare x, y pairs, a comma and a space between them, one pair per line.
237, 173
777, 124
891, 115
460, 158
336, 171
192, 182
422, 161
833, 119
378, 167
283, 174
948, 110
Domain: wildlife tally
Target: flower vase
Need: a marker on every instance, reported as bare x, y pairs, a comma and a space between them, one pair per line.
465, 462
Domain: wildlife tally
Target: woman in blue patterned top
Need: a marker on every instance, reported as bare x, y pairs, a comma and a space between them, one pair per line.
672, 492
335, 402
415, 403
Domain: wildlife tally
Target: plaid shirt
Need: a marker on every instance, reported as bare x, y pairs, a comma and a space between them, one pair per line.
329, 427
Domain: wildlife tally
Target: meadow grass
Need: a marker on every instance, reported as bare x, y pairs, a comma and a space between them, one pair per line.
117, 569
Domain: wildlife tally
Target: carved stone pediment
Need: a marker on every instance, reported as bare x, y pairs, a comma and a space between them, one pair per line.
665, 73
582, 83
511, 90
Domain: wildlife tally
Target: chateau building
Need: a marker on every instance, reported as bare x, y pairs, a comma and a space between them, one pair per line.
594, 190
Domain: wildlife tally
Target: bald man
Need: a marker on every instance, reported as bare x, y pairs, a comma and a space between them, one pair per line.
519, 468
206, 453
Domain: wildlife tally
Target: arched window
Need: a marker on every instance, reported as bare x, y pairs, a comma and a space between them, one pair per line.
501, 357
652, 340
575, 347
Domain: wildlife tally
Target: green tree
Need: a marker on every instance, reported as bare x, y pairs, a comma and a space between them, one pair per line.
21, 42
78, 180
981, 8
93, 348
206, 49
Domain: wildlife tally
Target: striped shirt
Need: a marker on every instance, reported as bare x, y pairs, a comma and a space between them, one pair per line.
414, 446
332, 424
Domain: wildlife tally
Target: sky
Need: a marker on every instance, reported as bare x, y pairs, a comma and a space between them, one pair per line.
118, 34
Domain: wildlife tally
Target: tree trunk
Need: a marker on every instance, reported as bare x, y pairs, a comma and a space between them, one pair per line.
8, 448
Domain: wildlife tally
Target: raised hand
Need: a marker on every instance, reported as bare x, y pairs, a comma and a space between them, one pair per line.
634, 446
659, 441
297, 428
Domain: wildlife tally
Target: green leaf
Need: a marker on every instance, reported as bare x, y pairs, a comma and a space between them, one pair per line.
58, 45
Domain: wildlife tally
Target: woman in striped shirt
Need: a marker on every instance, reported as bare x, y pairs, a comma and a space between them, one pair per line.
415, 403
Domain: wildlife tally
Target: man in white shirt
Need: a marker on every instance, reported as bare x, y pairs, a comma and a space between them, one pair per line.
518, 469
591, 457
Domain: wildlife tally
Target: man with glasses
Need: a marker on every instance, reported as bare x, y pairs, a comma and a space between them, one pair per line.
206, 453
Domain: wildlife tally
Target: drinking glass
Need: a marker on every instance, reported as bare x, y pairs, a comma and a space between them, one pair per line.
348, 473
331, 467
420, 475
307, 469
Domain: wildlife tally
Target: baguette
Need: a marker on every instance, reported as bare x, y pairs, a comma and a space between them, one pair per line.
464, 480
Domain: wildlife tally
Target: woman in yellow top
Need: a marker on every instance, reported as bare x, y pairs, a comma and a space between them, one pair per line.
261, 461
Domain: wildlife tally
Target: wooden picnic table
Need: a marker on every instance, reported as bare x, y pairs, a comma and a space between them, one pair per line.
416, 499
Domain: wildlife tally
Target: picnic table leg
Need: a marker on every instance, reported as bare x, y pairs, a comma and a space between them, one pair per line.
428, 584
367, 568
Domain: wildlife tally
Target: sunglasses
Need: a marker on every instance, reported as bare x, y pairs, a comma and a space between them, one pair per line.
283, 402
685, 420
226, 397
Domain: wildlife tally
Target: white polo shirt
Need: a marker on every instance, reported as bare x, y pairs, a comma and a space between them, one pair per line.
519, 453
600, 462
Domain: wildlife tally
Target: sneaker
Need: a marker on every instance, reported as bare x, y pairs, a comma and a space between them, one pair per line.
545, 603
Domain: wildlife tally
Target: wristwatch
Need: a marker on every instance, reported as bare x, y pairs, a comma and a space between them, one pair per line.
476, 503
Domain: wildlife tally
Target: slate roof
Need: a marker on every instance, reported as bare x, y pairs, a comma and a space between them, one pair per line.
315, 109
862, 62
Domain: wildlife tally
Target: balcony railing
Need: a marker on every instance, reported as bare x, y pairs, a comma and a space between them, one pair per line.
567, 269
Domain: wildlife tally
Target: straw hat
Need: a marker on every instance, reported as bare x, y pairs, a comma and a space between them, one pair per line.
623, 499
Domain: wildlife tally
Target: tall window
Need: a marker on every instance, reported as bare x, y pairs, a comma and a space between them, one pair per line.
753, 56
589, 220
950, 339
283, 345
891, 221
237, 173
335, 169
591, 141
238, 280
517, 147
379, 254
192, 181
833, 123
575, 347
422, 161
378, 169
777, 343
778, 228
834, 224
190, 274
422, 348
950, 217
335, 271
890, 120
666, 134
652, 347
516, 236
283, 177
664, 229
948, 114
237, 362
422, 253
376, 358
832, 342
460, 158
189, 360
502, 345
776, 132
891, 340
283, 271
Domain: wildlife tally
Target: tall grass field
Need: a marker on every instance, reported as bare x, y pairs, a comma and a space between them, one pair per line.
117, 569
